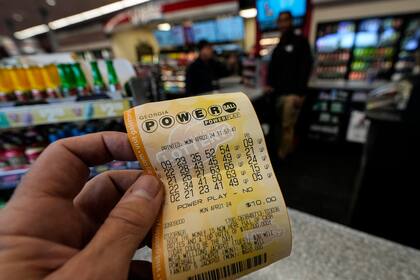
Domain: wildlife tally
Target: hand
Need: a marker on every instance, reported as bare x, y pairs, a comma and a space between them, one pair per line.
58, 226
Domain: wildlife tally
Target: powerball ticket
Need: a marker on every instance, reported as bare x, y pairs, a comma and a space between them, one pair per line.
224, 215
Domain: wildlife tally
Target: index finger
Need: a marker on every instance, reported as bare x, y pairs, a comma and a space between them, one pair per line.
63, 167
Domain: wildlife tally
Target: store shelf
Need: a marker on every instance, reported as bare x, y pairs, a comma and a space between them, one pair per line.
23, 116
9, 179
345, 85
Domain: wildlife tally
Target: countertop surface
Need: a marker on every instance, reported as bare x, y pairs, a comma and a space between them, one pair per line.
324, 250
232, 84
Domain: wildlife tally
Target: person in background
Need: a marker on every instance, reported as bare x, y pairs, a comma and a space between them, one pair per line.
203, 74
233, 64
412, 112
287, 78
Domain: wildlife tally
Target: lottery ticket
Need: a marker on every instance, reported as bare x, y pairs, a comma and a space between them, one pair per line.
224, 215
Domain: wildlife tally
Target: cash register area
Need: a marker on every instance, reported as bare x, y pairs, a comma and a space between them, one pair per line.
350, 181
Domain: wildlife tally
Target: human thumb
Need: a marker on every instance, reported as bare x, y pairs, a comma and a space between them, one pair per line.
108, 255
126, 226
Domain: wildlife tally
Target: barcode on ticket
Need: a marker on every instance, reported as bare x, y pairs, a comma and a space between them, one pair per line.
231, 270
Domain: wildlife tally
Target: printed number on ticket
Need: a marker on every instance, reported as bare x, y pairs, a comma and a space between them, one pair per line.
224, 215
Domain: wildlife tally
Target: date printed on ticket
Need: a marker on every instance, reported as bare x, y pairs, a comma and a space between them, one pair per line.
224, 215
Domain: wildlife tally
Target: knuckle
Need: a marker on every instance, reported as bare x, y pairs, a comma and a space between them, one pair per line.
57, 144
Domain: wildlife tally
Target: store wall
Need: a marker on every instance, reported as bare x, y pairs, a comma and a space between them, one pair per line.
360, 9
124, 42
250, 34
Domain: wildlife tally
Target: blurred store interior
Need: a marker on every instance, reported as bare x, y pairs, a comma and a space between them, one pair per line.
72, 67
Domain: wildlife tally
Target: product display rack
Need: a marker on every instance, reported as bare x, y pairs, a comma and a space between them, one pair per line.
32, 115
328, 114
375, 60
83, 98
251, 72
332, 108
353, 57
173, 79
410, 43
9, 179
22, 141
366, 50
333, 50
173, 67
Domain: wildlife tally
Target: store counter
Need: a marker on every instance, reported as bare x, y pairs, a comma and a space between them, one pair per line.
233, 84
344, 85
324, 250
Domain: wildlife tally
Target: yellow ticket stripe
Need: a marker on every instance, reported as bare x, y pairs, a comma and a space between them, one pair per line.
136, 141
141, 155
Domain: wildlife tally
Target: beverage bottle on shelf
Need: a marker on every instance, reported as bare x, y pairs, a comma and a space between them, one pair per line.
98, 81
3, 162
113, 82
71, 77
80, 80
34, 145
33, 152
6, 85
20, 83
52, 134
75, 131
65, 83
52, 80
14, 156
36, 82
3, 86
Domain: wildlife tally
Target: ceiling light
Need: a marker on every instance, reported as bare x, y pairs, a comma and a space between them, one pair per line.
113, 7
248, 13
51, 2
30, 32
80, 17
164, 26
90, 14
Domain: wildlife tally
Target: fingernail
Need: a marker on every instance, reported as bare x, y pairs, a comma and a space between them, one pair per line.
147, 187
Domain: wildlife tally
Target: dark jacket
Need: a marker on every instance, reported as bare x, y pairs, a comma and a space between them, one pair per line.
412, 112
290, 65
203, 76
